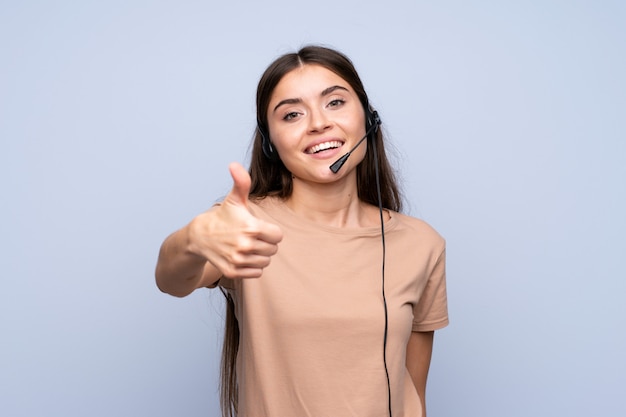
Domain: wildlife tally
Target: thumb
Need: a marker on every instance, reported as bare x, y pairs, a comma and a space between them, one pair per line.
241, 184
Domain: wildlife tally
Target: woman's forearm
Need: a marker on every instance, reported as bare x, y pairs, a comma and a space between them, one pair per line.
179, 271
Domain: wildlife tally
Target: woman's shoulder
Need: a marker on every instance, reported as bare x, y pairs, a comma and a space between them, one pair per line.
267, 203
268, 207
419, 226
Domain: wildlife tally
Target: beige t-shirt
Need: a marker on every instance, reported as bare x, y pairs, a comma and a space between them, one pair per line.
312, 326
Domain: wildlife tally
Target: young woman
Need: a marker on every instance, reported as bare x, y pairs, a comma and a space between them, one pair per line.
332, 295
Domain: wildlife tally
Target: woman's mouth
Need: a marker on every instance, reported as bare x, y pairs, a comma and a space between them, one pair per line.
332, 144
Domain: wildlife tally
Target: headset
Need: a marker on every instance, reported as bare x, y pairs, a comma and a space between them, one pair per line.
268, 149
372, 123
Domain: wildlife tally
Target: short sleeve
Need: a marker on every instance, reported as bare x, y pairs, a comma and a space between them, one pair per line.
431, 312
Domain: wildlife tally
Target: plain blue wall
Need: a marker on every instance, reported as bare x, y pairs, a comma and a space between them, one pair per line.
118, 120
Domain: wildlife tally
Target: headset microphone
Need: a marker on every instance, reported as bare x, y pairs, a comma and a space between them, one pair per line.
375, 122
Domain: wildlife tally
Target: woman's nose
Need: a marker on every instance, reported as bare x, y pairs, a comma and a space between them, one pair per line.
318, 121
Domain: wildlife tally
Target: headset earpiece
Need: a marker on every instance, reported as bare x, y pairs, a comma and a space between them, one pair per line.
372, 120
268, 150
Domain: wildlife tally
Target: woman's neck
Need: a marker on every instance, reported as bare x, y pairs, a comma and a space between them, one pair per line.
336, 204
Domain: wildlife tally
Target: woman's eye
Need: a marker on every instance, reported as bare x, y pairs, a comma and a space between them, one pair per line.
336, 102
290, 116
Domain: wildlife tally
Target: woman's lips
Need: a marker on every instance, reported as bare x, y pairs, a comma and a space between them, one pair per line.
323, 146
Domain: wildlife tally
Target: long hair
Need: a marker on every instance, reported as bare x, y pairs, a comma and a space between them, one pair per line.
270, 177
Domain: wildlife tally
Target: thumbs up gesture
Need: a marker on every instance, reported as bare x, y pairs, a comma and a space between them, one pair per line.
235, 242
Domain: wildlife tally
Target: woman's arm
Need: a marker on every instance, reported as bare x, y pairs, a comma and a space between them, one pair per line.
179, 270
418, 354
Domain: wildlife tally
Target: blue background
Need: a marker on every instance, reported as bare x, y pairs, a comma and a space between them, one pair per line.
118, 120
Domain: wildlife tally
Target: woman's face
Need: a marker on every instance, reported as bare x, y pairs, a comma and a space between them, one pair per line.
315, 117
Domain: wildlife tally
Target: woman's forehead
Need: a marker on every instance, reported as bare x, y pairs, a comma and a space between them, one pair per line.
309, 80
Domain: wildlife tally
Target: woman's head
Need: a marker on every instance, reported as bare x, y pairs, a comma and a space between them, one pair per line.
268, 172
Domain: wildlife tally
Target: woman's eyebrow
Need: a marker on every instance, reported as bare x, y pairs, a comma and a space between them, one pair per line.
287, 101
325, 92
329, 90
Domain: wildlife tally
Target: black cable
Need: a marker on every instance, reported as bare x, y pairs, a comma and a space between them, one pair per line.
382, 230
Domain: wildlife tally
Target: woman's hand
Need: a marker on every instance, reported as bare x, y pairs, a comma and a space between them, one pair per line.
228, 236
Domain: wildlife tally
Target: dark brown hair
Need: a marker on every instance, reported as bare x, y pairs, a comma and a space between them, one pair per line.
270, 177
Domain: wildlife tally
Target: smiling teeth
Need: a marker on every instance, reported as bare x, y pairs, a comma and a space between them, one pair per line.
323, 146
